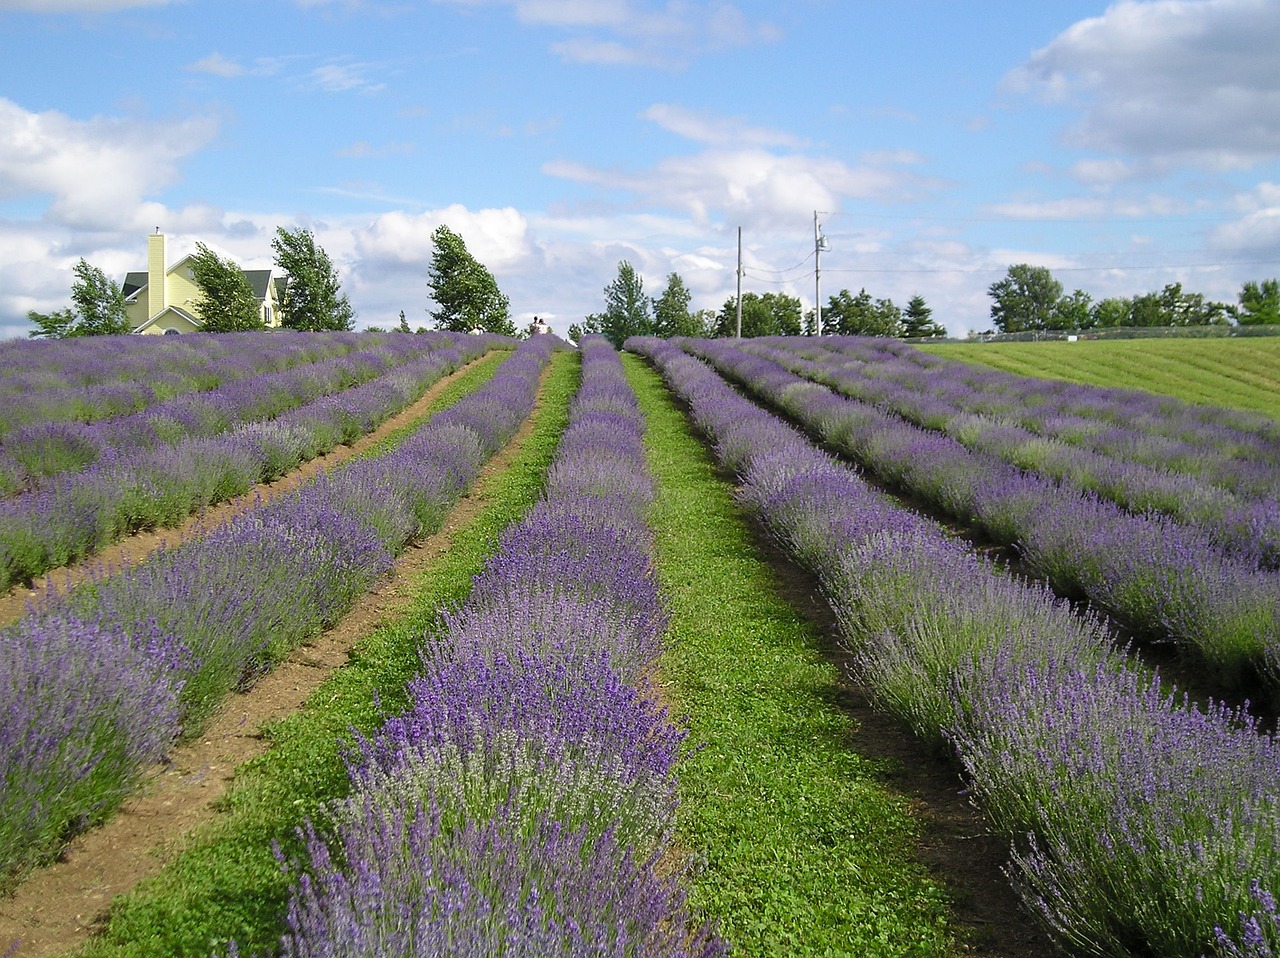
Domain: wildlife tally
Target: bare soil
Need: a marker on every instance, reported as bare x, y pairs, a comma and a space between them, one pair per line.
134, 549
59, 906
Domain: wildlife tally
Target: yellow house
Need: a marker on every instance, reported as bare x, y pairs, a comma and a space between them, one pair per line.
166, 299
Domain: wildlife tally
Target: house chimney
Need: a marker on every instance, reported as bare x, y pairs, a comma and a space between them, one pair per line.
157, 296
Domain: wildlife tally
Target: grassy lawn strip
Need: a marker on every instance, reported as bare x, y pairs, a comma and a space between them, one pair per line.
801, 848
227, 883
1237, 373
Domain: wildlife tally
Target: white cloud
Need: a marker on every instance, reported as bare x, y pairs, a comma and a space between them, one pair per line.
638, 32
216, 64
342, 76
1169, 82
496, 237
716, 131
1095, 208
96, 171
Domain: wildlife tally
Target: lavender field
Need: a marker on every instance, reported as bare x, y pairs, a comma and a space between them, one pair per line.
530, 761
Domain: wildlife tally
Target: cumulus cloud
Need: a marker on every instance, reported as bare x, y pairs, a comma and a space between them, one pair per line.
496, 237
96, 172
748, 185
1168, 82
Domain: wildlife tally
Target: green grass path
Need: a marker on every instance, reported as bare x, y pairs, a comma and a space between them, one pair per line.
228, 884
799, 847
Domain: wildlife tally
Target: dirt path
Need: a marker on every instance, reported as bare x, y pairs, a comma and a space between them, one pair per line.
61, 905
131, 551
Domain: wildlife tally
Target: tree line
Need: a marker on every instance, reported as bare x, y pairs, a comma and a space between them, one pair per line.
628, 311
312, 297
1029, 298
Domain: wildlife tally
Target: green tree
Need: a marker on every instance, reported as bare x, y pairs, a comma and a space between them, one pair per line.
227, 303
55, 325
917, 320
1259, 303
465, 292
849, 315
771, 314
1025, 299
1112, 312
313, 299
627, 310
1148, 310
671, 314
1073, 312
97, 308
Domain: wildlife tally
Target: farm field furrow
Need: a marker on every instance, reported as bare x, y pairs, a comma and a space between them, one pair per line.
1139, 823
806, 846
90, 378
113, 671
72, 517
221, 880
29, 457
1243, 374
1161, 579
136, 548
945, 399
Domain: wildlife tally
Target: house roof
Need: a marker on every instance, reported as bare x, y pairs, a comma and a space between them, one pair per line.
259, 280
185, 314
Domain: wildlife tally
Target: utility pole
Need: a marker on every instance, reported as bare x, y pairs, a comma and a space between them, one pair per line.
819, 244
739, 333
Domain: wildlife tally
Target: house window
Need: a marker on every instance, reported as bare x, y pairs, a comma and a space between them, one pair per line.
266, 314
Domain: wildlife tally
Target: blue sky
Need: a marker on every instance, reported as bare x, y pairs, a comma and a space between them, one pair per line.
1124, 146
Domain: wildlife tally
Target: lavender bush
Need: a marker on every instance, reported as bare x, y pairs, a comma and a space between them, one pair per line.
1165, 580
74, 516
84, 706
1141, 824
523, 803
213, 613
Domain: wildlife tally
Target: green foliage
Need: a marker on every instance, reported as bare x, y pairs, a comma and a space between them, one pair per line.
98, 309
671, 314
627, 310
227, 303
849, 315
771, 314
917, 320
227, 882
802, 849
1074, 311
1240, 373
1112, 312
55, 325
312, 299
466, 294
1259, 303
1025, 299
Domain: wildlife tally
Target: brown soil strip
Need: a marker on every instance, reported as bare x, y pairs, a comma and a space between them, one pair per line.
61, 905
133, 550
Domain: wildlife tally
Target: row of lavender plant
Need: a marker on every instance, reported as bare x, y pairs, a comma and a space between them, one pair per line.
75, 515
1132, 423
30, 454
1165, 580
89, 378
525, 802
1139, 822
96, 684
1147, 455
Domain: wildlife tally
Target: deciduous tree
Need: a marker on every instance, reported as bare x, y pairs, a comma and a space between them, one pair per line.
771, 314
466, 294
97, 308
227, 303
313, 299
1025, 299
1259, 303
627, 310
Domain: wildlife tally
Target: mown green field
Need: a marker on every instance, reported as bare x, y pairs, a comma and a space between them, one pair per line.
1240, 373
